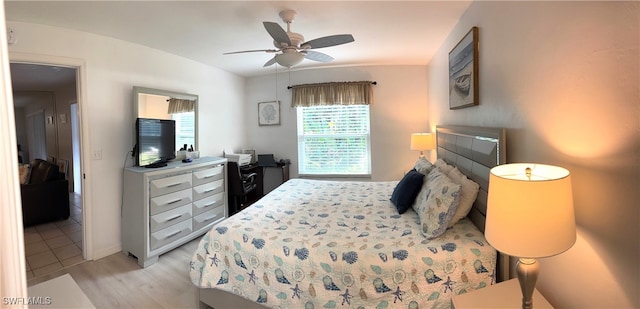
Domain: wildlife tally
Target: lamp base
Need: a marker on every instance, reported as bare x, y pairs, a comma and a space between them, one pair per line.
527, 270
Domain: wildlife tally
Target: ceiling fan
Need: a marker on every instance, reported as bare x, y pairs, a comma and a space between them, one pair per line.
291, 48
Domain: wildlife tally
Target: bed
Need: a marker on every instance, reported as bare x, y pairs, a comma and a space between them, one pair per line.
325, 244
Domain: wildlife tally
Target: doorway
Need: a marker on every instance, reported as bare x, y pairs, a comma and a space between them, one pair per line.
54, 245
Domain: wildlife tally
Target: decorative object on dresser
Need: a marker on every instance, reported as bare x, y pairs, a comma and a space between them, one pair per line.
169, 206
463, 72
422, 142
530, 215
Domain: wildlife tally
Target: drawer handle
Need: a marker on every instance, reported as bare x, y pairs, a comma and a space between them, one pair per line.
209, 219
173, 202
173, 234
174, 185
208, 176
207, 191
207, 205
173, 218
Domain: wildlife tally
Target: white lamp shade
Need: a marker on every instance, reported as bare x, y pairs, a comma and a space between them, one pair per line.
422, 141
530, 216
289, 59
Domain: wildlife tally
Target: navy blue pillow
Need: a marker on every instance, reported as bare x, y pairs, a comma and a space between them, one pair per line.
407, 190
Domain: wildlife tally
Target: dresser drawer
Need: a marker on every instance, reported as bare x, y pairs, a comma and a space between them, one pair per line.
169, 201
208, 203
208, 175
208, 189
170, 234
169, 184
168, 218
208, 217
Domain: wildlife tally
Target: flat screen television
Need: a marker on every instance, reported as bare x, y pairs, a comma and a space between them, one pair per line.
156, 142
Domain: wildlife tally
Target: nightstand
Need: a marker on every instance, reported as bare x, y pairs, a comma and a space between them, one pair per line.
505, 294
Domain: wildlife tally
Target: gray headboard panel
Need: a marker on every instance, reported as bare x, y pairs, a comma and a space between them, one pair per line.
474, 150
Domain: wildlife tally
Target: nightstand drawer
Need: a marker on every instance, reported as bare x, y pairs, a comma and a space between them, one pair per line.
169, 201
169, 184
208, 203
208, 175
168, 218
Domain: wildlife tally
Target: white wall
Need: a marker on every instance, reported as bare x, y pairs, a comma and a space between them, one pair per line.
563, 78
399, 109
113, 67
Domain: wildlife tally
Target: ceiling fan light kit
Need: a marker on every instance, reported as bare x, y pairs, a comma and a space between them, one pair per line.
289, 59
291, 47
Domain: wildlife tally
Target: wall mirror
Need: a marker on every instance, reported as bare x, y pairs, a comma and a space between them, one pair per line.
164, 104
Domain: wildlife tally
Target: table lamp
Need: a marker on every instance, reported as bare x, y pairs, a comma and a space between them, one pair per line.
530, 215
422, 142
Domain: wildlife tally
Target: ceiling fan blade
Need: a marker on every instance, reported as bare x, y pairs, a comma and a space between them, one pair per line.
327, 41
316, 56
270, 62
252, 51
276, 32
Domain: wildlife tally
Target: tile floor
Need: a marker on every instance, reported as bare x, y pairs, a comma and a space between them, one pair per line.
53, 246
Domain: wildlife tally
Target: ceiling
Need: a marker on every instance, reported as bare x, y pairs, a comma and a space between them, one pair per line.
385, 32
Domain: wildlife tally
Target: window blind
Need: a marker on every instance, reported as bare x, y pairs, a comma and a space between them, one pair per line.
185, 129
334, 140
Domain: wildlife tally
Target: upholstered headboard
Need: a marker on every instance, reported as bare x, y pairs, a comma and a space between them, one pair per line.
475, 150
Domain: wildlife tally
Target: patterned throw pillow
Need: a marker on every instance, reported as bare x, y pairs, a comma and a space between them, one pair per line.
436, 203
443, 166
468, 194
423, 166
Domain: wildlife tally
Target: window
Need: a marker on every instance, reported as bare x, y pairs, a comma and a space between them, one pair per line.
185, 129
333, 140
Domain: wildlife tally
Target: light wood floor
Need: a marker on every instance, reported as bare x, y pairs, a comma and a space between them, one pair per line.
117, 281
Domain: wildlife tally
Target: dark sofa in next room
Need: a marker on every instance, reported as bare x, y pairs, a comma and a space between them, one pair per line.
45, 196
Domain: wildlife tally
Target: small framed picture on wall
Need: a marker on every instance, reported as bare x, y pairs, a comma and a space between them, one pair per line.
269, 113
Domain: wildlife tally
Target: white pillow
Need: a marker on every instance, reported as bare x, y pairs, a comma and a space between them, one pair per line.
423, 166
468, 194
443, 166
436, 203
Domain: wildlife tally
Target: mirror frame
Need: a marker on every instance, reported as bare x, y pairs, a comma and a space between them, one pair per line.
138, 90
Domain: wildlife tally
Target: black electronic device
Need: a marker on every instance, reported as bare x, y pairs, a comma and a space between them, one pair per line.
156, 142
266, 160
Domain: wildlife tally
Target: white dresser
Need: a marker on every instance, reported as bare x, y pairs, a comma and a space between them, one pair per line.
165, 207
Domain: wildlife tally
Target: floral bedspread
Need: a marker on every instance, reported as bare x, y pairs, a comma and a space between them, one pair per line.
327, 244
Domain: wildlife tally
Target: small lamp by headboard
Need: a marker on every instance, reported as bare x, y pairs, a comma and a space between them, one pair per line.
422, 142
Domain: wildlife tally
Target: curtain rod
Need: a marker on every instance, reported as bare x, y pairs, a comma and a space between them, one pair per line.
373, 83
